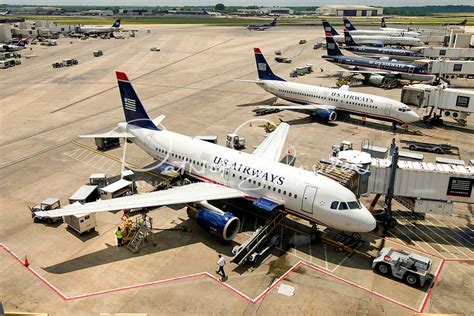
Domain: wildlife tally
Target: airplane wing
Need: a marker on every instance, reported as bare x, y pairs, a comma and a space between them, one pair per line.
195, 192
272, 146
297, 107
111, 134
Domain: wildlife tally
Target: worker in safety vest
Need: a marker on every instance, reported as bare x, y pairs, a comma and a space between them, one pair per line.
118, 234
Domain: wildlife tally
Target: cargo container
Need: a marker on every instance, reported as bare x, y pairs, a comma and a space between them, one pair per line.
117, 189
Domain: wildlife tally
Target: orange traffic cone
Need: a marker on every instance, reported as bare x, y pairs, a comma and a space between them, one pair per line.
26, 263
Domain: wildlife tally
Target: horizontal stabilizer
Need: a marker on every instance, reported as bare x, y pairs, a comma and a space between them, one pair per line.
111, 134
158, 120
250, 81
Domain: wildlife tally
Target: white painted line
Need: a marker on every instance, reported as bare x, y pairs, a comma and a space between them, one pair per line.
425, 241
454, 230
441, 237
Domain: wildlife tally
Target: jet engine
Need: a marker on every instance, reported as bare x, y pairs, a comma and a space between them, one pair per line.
376, 80
325, 115
223, 225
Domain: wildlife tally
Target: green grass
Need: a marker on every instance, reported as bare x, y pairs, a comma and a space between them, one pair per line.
336, 21
150, 20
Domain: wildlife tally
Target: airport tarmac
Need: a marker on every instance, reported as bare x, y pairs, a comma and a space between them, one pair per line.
192, 81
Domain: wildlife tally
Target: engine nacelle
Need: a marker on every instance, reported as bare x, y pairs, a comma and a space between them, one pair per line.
223, 225
325, 115
376, 80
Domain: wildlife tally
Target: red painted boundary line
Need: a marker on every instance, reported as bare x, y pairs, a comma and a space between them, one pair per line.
229, 287
362, 288
413, 248
432, 286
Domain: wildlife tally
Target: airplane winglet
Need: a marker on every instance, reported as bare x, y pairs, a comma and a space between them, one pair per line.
121, 76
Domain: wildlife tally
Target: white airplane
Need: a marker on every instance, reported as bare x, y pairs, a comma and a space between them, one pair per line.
378, 40
99, 29
323, 103
224, 173
384, 31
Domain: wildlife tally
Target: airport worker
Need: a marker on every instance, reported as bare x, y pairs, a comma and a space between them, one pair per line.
220, 264
119, 236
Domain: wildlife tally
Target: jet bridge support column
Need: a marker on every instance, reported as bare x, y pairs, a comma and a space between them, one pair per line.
388, 221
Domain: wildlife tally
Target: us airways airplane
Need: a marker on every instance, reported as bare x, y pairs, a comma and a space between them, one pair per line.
378, 52
224, 173
323, 103
385, 32
375, 70
262, 27
99, 29
377, 40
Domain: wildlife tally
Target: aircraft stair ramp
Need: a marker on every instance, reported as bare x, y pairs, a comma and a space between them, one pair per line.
260, 237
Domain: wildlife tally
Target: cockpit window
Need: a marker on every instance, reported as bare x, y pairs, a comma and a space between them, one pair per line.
354, 205
334, 205
343, 206
404, 109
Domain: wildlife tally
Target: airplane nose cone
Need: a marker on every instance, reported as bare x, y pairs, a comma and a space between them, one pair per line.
365, 221
412, 117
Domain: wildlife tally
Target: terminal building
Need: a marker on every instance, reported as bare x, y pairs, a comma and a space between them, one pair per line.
349, 10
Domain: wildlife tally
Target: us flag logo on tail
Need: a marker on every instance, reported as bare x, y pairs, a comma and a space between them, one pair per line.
130, 105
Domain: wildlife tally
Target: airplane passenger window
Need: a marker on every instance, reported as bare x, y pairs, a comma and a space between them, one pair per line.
343, 206
334, 205
279, 190
296, 196
274, 189
289, 194
354, 205
284, 192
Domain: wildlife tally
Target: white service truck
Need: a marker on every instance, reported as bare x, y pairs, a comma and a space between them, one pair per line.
412, 268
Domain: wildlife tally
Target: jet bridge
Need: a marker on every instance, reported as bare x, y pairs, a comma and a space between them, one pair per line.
424, 187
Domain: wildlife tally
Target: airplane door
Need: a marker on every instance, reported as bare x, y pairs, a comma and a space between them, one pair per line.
226, 175
308, 199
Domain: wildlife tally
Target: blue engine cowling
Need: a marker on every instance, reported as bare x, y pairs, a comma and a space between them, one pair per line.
325, 115
224, 226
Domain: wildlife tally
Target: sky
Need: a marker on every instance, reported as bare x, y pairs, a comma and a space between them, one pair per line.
236, 2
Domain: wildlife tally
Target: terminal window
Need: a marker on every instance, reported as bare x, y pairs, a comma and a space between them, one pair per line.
462, 101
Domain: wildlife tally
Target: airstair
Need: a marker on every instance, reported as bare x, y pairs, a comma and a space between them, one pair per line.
260, 236
143, 230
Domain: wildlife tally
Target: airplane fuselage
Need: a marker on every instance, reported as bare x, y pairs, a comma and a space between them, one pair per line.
381, 40
401, 70
345, 101
303, 193
385, 32
402, 54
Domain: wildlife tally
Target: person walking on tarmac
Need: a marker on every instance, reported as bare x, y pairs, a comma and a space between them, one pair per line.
220, 264
118, 234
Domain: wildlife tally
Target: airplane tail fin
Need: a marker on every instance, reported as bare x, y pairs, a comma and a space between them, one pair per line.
263, 69
333, 49
135, 113
348, 24
329, 29
274, 22
116, 23
382, 24
348, 39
